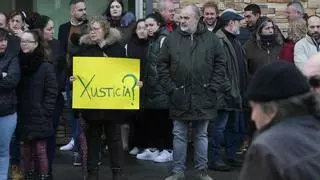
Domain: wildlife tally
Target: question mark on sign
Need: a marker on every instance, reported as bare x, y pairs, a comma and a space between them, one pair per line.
135, 79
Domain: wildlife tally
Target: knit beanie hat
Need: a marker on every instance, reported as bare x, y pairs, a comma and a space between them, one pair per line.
276, 81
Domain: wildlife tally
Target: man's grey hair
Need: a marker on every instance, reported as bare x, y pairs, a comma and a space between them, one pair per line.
162, 5
196, 10
306, 104
296, 5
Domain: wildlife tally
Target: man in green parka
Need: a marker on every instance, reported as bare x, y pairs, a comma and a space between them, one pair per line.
192, 71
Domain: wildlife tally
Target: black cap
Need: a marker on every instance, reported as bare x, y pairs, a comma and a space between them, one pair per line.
227, 16
277, 81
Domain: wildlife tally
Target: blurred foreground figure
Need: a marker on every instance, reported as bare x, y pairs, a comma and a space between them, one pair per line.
286, 114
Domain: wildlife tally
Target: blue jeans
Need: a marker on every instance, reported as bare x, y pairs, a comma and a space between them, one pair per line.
51, 141
236, 131
226, 126
180, 144
74, 122
7, 126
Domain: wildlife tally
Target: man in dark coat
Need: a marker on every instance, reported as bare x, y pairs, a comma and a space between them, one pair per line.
286, 113
192, 70
68, 36
231, 107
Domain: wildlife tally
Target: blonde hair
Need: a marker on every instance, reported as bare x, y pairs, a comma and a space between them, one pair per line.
297, 30
103, 21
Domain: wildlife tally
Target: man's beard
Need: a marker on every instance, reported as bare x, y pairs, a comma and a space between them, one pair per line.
192, 28
82, 18
235, 31
315, 36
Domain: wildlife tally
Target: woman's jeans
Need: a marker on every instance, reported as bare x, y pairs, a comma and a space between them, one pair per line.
7, 126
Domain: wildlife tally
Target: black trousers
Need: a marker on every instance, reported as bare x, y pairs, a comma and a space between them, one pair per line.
152, 129
114, 142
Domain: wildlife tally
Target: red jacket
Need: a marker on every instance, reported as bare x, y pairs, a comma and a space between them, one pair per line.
287, 51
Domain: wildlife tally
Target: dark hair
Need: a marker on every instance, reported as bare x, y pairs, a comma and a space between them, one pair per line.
32, 19
14, 13
136, 26
311, 17
43, 49
74, 2
210, 4
262, 21
3, 34
157, 17
306, 104
42, 22
107, 11
254, 8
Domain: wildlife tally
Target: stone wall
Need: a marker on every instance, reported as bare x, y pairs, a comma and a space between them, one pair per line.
274, 9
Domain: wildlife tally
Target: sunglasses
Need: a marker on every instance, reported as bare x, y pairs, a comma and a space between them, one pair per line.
314, 81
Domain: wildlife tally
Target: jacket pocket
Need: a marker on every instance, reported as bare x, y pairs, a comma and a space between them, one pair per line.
178, 99
209, 97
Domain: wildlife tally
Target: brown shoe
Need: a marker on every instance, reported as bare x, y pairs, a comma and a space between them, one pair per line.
16, 173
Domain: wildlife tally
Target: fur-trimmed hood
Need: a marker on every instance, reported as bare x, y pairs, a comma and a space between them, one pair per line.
112, 37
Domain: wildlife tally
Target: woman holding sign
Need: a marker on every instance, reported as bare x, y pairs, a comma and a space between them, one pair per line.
102, 41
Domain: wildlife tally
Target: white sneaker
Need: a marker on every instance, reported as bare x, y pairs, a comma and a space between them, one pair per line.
148, 155
134, 151
164, 156
68, 146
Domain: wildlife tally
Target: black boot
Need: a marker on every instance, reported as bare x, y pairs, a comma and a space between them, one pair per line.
117, 174
29, 175
43, 177
93, 174
50, 176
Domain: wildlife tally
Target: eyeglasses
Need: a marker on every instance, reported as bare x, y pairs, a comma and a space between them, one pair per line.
314, 81
27, 42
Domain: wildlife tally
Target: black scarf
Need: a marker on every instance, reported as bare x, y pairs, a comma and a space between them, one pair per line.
30, 62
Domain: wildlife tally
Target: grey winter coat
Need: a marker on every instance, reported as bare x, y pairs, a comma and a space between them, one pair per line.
288, 150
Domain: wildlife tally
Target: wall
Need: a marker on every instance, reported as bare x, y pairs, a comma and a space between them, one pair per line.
272, 8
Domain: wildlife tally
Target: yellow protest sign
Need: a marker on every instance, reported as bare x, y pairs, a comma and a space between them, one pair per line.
105, 83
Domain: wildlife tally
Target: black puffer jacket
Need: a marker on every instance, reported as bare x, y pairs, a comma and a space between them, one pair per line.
153, 94
36, 97
59, 62
137, 48
9, 64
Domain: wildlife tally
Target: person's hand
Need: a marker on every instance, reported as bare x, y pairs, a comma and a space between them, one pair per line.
140, 84
4, 74
72, 78
18, 32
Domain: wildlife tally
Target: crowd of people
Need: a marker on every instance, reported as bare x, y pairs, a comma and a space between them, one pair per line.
205, 74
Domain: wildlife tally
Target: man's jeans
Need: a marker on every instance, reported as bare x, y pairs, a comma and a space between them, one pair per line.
73, 121
180, 144
228, 126
7, 126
